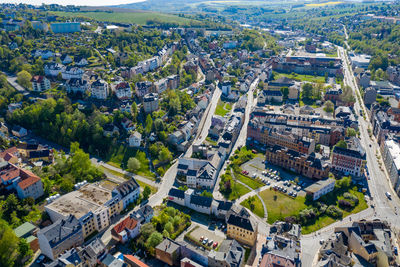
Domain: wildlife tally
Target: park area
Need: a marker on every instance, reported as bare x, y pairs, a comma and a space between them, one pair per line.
223, 108
314, 215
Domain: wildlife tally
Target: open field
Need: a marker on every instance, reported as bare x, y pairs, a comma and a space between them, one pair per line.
300, 77
140, 18
324, 4
223, 108
254, 204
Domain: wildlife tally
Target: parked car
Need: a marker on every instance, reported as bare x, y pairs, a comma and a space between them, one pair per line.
205, 241
201, 238
215, 244
388, 195
40, 259
210, 242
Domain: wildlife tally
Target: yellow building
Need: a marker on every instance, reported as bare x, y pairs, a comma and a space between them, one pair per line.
242, 228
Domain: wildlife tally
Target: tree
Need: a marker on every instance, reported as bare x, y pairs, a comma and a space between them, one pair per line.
165, 155
347, 95
133, 164
159, 125
329, 106
146, 192
154, 239
341, 144
149, 124
285, 92
350, 132
8, 245
307, 91
24, 78
169, 227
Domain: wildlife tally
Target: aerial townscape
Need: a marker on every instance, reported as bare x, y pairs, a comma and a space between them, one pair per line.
200, 133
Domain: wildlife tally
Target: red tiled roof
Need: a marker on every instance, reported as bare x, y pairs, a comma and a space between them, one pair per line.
135, 260
275, 260
8, 157
129, 223
28, 182
37, 79
10, 173
122, 85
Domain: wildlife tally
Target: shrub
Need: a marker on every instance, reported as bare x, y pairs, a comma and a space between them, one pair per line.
334, 212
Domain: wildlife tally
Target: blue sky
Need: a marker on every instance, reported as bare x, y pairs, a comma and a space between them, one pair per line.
73, 2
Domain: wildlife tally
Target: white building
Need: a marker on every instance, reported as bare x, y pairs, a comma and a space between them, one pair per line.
391, 158
99, 89
226, 88
71, 72
77, 86
53, 69
123, 91
135, 139
320, 188
128, 191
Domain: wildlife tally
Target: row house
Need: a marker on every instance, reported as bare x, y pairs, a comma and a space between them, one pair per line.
391, 158
308, 165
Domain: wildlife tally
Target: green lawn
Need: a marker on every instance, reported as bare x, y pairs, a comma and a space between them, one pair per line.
222, 108
238, 190
120, 156
258, 207
140, 18
248, 181
142, 184
280, 205
300, 77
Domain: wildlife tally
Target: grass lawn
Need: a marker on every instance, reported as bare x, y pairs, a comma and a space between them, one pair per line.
321, 222
248, 181
258, 207
222, 108
120, 155
211, 141
238, 190
280, 205
300, 77
142, 184
140, 18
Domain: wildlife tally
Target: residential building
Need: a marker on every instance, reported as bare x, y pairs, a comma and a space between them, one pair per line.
350, 160
66, 59
71, 72
19, 131
268, 96
144, 214
310, 166
391, 158
53, 69
65, 27
143, 88
312, 65
226, 88
150, 102
281, 251
76, 86
123, 91
92, 204
127, 192
364, 78
370, 95
40, 83
161, 85
80, 61
24, 182
394, 74
333, 94
125, 230
168, 251
135, 139
132, 261
99, 89
368, 240
294, 92
229, 254
320, 188
242, 227
60, 236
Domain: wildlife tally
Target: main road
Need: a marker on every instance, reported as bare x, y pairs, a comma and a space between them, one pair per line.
378, 182
168, 179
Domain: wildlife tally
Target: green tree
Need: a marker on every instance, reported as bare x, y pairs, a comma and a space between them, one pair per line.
307, 91
329, 106
8, 245
285, 92
165, 155
146, 192
24, 78
350, 132
169, 227
341, 144
154, 239
149, 124
133, 164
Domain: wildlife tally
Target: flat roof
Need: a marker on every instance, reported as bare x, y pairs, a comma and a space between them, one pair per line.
88, 198
319, 185
394, 150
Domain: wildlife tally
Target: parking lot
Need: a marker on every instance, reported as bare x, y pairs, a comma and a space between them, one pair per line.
276, 177
206, 236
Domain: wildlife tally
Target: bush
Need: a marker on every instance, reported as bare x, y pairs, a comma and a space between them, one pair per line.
334, 212
344, 204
